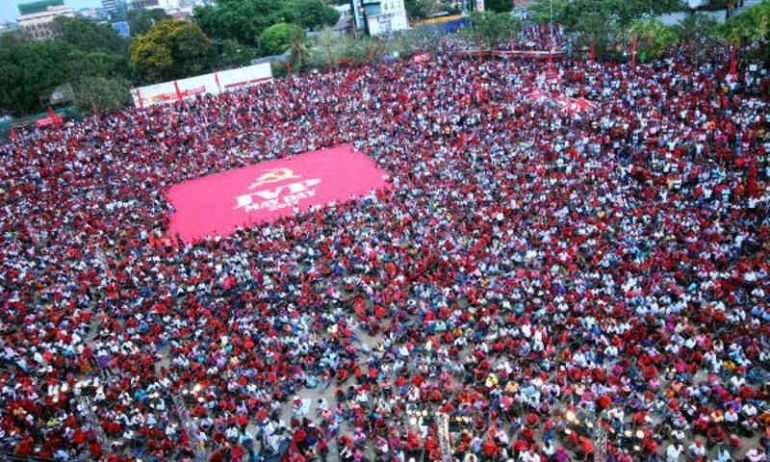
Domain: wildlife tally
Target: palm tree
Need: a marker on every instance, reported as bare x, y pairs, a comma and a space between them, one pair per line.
298, 52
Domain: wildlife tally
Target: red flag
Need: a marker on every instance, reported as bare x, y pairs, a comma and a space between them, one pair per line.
550, 62
53, 117
216, 79
593, 48
288, 67
178, 92
139, 98
371, 52
633, 51
733, 51
14, 137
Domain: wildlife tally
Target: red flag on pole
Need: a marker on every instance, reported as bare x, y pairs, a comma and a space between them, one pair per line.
593, 48
733, 65
139, 98
216, 79
633, 51
178, 91
53, 117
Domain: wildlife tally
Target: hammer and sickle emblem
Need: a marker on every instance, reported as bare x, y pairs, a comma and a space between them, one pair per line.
274, 176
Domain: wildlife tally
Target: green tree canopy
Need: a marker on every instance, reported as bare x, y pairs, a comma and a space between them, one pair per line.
277, 39
171, 49
106, 95
490, 29
87, 36
140, 21
417, 10
245, 20
498, 6
653, 37
29, 72
698, 27
309, 14
584, 15
233, 53
751, 25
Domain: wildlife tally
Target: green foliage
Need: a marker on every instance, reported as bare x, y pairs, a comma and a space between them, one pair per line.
751, 25
107, 95
299, 55
490, 29
605, 20
277, 39
583, 15
653, 37
417, 10
29, 72
498, 6
232, 53
140, 21
280, 70
714, 5
417, 40
309, 14
96, 64
245, 20
87, 36
171, 49
698, 28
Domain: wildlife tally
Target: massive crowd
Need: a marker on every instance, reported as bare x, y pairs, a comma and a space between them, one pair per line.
536, 285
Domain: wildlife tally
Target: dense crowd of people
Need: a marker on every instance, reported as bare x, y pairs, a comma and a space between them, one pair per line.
537, 284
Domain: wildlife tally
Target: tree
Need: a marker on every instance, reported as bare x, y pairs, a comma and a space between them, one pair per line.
750, 26
241, 20
309, 14
96, 64
277, 39
233, 53
490, 29
87, 35
697, 28
170, 50
29, 72
416, 10
298, 52
653, 37
582, 15
498, 6
106, 95
245, 20
140, 21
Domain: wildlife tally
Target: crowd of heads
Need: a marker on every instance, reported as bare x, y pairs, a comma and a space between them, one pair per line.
537, 284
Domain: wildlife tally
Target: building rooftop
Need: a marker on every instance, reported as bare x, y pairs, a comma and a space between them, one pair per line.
39, 6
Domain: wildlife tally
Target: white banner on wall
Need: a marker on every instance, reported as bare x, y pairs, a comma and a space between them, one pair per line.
213, 84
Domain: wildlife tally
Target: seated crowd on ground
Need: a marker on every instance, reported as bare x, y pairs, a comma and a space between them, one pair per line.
534, 277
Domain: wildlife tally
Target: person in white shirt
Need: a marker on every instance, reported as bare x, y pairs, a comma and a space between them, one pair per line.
756, 454
673, 452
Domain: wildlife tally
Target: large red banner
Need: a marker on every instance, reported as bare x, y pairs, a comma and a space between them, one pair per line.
216, 205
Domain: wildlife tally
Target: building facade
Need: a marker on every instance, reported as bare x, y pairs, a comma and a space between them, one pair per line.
37, 19
111, 6
379, 17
